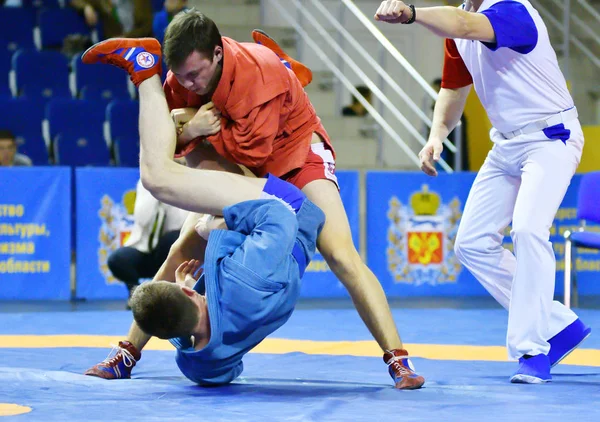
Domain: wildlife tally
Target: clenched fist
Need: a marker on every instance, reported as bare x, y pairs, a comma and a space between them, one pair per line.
393, 11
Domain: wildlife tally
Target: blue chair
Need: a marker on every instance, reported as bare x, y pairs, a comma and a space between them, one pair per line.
45, 93
39, 4
78, 149
73, 116
17, 25
56, 23
127, 152
23, 117
40, 74
157, 5
35, 149
91, 82
122, 120
5, 66
588, 210
97, 95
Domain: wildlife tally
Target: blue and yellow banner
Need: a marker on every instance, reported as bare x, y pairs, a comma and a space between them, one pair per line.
35, 233
412, 220
105, 198
411, 225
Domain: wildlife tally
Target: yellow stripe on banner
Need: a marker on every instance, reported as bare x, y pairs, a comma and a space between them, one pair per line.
586, 357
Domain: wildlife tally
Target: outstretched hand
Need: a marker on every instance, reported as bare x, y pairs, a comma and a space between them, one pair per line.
429, 155
185, 273
393, 11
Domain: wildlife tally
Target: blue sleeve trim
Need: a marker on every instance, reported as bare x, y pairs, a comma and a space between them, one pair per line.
513, 26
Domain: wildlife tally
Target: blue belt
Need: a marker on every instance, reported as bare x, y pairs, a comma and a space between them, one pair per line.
300, 257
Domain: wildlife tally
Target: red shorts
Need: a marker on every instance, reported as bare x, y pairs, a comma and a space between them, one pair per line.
319, 164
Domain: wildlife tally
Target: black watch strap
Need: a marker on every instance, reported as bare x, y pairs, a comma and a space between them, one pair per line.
414, 15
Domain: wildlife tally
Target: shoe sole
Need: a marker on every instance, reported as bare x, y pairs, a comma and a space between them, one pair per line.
102, 374
101, 43
527, 379
412, 387
569, 352
260, 31
276, 46
97, 45
280, 52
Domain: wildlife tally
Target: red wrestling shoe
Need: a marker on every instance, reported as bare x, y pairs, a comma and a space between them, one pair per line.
401, 370
303, 73
140, 57
118, 364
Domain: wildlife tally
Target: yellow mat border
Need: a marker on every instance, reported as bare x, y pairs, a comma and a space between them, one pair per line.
585, 357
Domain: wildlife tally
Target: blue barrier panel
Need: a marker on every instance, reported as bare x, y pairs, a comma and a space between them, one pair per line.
412, 221
104, 204
319, 281
103, 222
35, 253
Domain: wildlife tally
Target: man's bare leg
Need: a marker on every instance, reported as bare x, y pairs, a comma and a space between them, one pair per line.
336, 245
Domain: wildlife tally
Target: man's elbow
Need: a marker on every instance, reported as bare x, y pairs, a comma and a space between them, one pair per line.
475, 26
153, 180
464, 25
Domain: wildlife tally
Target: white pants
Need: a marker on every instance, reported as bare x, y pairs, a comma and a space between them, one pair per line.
523, 179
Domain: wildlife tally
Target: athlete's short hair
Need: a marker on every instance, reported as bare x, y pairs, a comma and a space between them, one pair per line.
190, 31
163, 310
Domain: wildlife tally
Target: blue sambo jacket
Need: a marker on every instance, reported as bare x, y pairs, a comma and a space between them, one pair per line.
251, 280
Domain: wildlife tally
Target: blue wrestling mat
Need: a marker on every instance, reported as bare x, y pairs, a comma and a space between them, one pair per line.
321, 366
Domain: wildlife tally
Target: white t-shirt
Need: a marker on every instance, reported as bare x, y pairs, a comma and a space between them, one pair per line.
517, 79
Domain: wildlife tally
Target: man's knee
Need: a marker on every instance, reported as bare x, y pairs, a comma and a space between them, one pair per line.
468, 247
342, 257
462, 246
123, 263
117, 260
529, 233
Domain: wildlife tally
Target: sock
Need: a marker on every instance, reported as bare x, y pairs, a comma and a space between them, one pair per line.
285, 192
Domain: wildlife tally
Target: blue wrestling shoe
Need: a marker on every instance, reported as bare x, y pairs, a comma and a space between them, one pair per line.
534, 370
118, 364
567, 340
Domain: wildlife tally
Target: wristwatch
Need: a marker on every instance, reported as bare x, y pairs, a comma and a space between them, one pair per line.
413, 17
